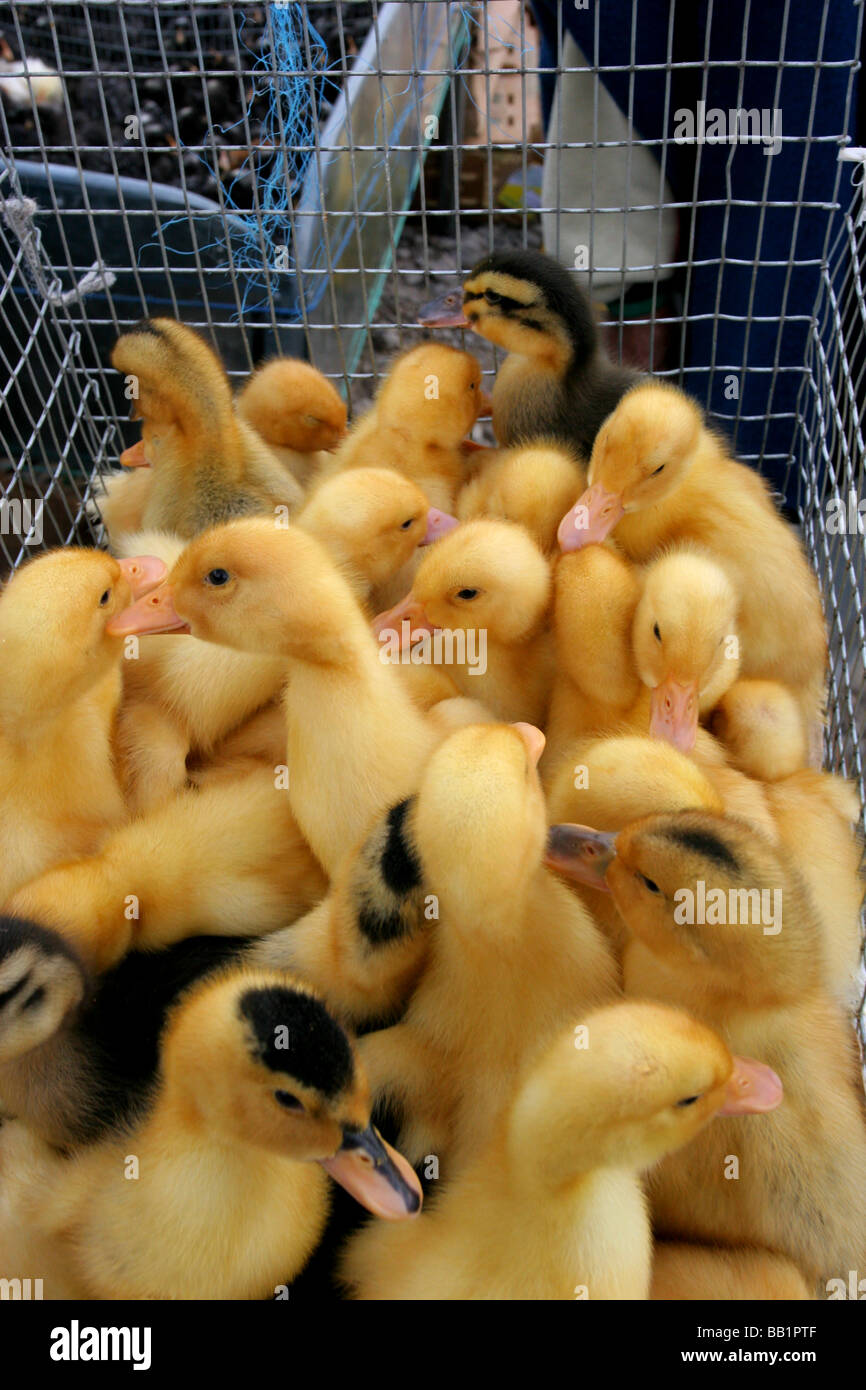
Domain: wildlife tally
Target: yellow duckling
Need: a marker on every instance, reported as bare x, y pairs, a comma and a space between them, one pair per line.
658, 477
206, 463
257, 588
531, 485
59, 793
552, 1207
609, 782
260, 1096
184, 698
650, 651
512, 954
425, 408
485, 589
296, 411
721, 923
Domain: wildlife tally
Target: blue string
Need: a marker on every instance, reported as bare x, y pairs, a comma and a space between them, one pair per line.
259, 243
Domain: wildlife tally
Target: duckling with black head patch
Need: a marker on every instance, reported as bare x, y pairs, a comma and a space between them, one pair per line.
259, 1091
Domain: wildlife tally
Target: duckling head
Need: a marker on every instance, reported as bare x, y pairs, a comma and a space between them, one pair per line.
435, 392
487, 575
291, 404
60, 607
641, 455
377, 517
685, 642
479, 822
257, 1057
644, 1080
708, 894
525, 302
254, 586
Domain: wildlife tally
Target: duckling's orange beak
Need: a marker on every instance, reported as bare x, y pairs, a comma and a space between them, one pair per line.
407, 618
752, 1090
485, 405
581, 853
133, 457
153, 613
591, 519
674, 714
143, 573
376, 1175
438, 525
444, 312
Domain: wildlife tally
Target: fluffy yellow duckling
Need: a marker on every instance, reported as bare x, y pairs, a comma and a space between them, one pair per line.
659, 477
609, 782
699, 1273
59, 793
373, 522
552, 1207
355, 741
650, 650
207, 464
228, 859
511, 956
751, 964
532, 485
184, 698
296, 411
488, 585
259, 1098
761, 725
426, 406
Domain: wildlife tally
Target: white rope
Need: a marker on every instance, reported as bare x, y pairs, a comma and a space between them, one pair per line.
19, 214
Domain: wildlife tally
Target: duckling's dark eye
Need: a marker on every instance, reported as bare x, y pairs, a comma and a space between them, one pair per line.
689, 1100
492, 297
648, 883
404, 525
656, 471
217, 578
287, 1100
467, 594
104, 599
656, 634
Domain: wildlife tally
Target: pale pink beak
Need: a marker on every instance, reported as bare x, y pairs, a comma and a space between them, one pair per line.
438, 525
470, 447
143, 573
674, 714
581, 853
406, 618
485, 409
153, 613
376, 1175
534, 740
752, 1090
133, 457
591, 519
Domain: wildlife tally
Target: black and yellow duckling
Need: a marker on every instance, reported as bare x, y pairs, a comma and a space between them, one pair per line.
557, 381
259, 1094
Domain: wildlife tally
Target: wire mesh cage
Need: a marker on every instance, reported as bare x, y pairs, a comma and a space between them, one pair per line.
302, 177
